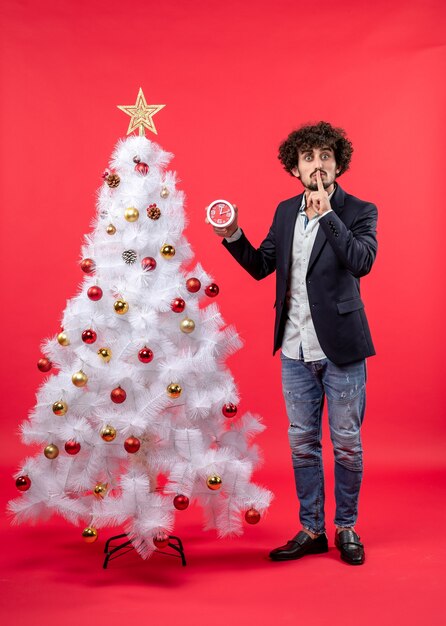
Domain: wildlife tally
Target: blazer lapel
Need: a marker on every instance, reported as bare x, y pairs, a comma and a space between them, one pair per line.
337, 204
289, 229
337, 201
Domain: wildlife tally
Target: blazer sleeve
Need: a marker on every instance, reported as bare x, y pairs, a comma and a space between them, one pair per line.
355, 247
259, 262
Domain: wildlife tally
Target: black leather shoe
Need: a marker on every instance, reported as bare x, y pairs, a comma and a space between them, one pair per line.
298, 547
351, 549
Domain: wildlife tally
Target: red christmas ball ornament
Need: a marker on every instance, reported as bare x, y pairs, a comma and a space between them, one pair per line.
212, 290
181, 502
229, 409
142, 168
178, 305
161, 541
252, 516
87, 266
89, 336
148, 263
23, 483
132, 444
44, 364
72, 447
145, 355
193, 285
118, 395
94, 293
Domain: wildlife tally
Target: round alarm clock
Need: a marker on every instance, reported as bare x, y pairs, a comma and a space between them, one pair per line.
220, 213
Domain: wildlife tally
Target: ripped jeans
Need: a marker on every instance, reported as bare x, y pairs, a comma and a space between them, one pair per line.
305, 386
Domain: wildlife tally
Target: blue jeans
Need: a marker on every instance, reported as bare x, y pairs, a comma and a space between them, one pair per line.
305, 386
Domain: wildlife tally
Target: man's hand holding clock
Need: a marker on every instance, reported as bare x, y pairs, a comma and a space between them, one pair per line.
223, 216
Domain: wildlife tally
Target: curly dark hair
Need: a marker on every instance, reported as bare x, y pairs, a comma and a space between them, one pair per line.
318, 135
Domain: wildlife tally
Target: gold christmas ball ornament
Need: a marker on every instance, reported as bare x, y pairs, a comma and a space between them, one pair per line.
100, 490
79, 379
121, 307
214, 482
108, 433
105, 354
187, 325
51, 451
174, 390
60, 407
167, 251
164, 192
111, 230
62, 338
90, 534
131, 214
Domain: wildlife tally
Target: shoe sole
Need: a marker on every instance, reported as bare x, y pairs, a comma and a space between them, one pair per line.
352, 562
299, 556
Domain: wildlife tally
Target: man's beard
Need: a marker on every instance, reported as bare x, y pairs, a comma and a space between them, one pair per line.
312, 186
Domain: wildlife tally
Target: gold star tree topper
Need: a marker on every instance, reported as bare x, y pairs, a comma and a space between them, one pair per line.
141, 114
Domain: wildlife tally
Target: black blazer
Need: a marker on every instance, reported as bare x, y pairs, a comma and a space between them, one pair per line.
344, 250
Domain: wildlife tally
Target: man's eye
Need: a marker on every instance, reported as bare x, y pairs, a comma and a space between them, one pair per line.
325, 156
307, 157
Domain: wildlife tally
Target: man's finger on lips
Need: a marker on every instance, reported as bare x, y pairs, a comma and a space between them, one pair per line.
320, 186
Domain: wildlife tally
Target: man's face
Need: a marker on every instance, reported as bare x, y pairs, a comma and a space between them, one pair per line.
312, 160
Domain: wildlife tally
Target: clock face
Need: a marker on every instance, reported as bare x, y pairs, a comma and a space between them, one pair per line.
220, 213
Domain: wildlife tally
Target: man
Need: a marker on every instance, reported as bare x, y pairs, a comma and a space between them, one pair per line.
320, 243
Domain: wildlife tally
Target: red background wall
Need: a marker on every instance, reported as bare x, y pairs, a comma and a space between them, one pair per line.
236, 77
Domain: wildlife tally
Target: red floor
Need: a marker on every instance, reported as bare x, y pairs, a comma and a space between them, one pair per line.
49, 575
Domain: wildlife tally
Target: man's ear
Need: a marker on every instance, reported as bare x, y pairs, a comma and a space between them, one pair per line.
295, 172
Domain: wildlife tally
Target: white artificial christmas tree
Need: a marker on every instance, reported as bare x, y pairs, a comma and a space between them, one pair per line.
141, 416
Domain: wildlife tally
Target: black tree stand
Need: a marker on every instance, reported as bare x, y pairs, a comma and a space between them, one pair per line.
113, 550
